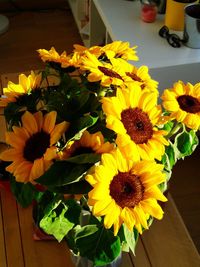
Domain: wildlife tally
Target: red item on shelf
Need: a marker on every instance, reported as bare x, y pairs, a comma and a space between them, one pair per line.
148, 12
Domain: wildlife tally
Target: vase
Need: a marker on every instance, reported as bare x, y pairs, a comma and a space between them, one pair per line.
174, 17
84, 262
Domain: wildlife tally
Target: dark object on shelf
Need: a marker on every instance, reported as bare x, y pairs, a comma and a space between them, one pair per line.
161, 4
173, 39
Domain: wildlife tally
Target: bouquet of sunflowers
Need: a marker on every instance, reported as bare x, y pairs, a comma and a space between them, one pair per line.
95, 149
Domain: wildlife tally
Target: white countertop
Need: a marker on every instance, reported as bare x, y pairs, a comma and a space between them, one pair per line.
123, 22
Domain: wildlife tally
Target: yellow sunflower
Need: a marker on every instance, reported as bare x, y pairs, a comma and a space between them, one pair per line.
88, 143
138, 75
51, 55
126, 191
33, 145
133, 114
119, 49
183, 102
25, 86
103, 72
95, 50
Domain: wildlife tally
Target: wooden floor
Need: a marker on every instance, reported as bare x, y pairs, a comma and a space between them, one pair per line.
32, 30
167, 243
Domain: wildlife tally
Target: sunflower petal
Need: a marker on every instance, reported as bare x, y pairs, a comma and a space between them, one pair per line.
29, 123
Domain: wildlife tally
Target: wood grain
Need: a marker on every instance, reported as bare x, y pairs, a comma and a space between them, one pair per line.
12, 233
3, 260
168, 243
30, 31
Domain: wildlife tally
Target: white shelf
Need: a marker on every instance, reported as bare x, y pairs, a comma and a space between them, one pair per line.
123, 22
120, 20
77, 8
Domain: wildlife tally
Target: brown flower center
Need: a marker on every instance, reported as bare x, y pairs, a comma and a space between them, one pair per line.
136, 78
189, 103
109, 72
126, 189
137, 125
36, 146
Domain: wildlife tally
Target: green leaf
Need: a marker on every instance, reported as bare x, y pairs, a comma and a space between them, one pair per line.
61, 218
24, 193
80, 124
98, 244
85, 158
131, 238
170, 157
81, 187
62, 173
186, 142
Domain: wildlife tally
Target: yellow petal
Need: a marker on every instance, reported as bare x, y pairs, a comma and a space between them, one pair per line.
22, 172
151, 207
58, 130
29, 123
37, 169
51, 153
14, 140
39, 119
49, 121
11, 155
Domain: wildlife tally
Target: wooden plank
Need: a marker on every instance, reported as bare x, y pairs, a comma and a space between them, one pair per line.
2, 129
41, 253
1, 91
3, 260
13, 77
168, 243
141, 258
13, 246
126, 260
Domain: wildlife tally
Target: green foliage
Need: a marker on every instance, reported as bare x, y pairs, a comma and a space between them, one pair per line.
24, 193
98, 244
60, 217
62, 173
186, 142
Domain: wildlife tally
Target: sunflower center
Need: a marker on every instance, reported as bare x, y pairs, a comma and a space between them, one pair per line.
134, 77
189, 103
126, 189
36, 146
109, 72
137, 125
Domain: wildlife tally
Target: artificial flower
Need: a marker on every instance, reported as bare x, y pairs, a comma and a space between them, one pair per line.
126, 191
33, 145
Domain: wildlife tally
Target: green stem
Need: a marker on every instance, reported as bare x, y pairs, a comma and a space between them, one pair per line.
174, 130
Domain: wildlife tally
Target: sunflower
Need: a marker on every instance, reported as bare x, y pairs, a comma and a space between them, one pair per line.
25, 86
95, 50
133, 114
119, 49
52, 55
33, 145
88, 143
183, 102
137, 75
99, 71
126, 191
